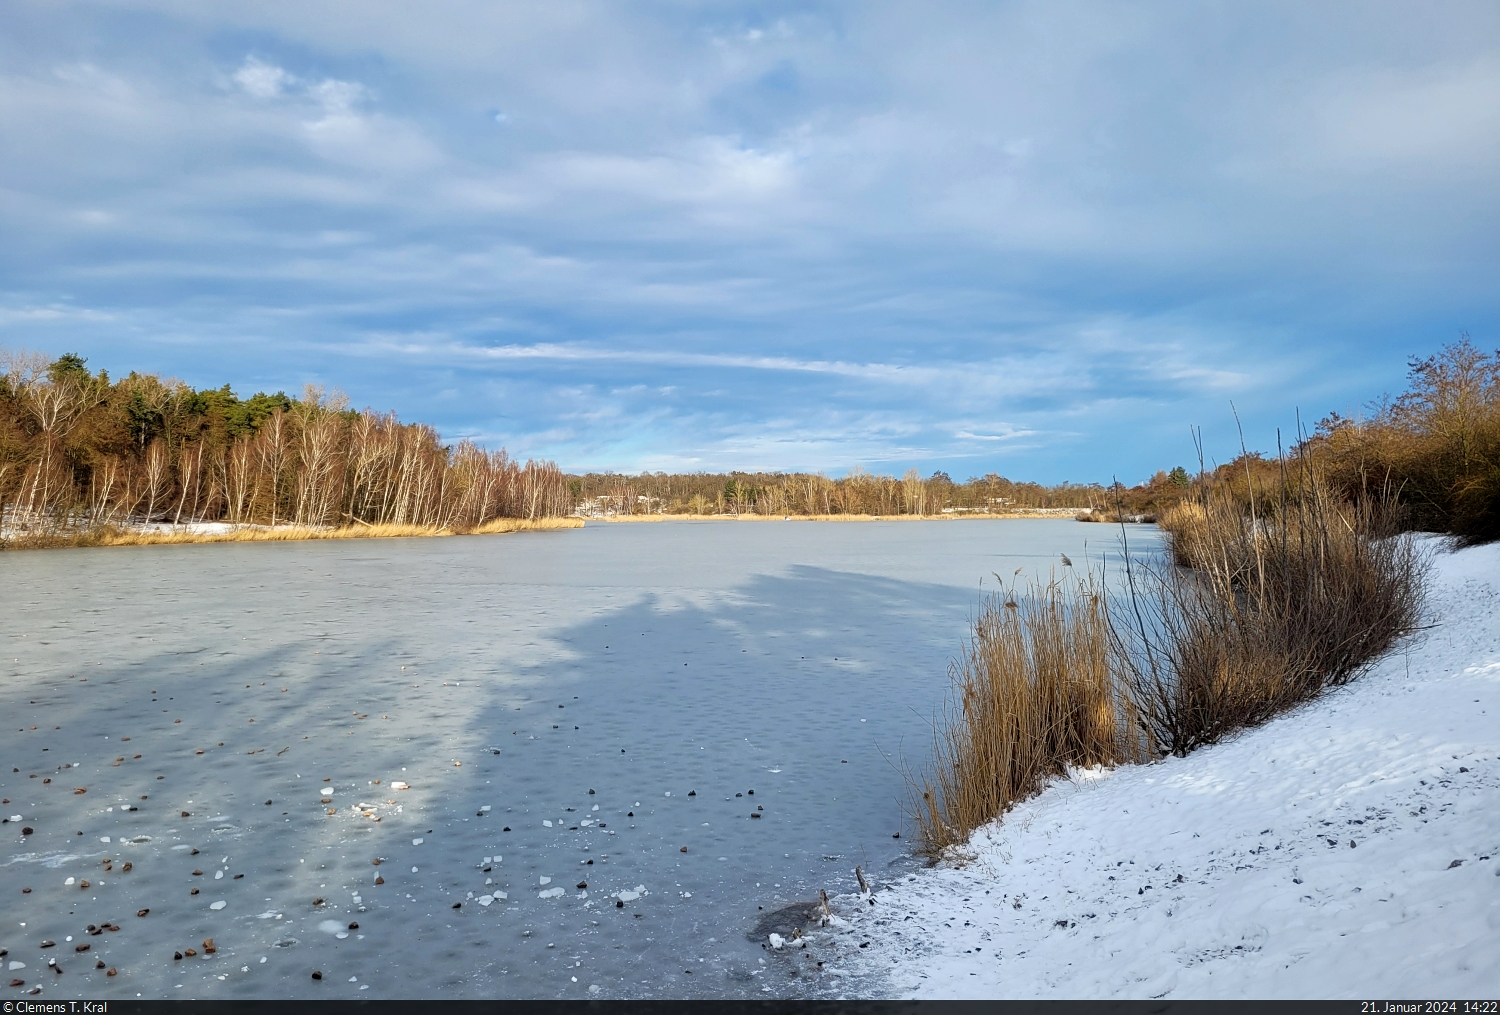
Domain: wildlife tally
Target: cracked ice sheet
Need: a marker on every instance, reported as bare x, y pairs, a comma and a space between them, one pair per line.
1273, 901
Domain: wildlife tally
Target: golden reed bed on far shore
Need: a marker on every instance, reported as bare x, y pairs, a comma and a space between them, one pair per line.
1037, 513
283, 533
287, 533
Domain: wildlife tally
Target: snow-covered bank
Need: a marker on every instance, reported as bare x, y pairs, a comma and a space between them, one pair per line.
1351, 849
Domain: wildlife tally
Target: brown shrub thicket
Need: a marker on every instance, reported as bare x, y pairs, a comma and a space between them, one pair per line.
80, 454
1437, 445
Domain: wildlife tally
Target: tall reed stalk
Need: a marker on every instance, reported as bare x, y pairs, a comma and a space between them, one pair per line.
1032, 693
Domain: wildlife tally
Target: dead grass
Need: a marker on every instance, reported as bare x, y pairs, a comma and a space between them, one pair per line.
1032, 693
499, 525
1271, 613
1010, 515
1247, 617
112, 536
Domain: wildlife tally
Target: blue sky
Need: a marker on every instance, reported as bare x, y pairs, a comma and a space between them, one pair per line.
1042, 239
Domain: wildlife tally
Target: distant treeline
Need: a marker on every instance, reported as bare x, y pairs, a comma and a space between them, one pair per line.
858, 493
79, 451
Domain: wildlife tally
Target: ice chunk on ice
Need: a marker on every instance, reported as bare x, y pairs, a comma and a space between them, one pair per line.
399, 785
103, 838
486, 807
218, 875
627, 896
15, 817
68, 882
544, 880
17, 964
777, 941
216, 906
546, 823
585, 823
330, 926
417, 841
551, 893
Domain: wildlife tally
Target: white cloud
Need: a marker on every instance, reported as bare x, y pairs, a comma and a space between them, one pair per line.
262, 80
338, 98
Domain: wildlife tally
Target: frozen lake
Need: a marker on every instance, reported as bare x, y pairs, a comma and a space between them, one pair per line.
567, 708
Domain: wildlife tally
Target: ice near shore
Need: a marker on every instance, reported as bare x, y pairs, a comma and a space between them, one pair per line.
770, 628
1349, 849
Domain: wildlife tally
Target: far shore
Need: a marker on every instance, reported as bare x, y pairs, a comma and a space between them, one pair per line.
1034, 513
224, 533
220, 532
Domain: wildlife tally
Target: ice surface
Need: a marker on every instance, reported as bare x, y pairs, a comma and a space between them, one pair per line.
790, 634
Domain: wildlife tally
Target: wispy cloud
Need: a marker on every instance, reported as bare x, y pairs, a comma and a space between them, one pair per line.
1039, 236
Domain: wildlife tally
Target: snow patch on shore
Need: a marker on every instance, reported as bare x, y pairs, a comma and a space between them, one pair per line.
1350, 849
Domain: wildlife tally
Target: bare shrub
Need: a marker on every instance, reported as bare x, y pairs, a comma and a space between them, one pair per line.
1437, 444
1261, 614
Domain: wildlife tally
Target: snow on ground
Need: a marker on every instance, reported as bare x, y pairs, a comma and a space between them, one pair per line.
1350, 849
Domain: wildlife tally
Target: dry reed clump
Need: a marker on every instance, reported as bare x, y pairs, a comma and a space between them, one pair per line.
1247, 617
1032, 693
1271, 612
1100, 515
